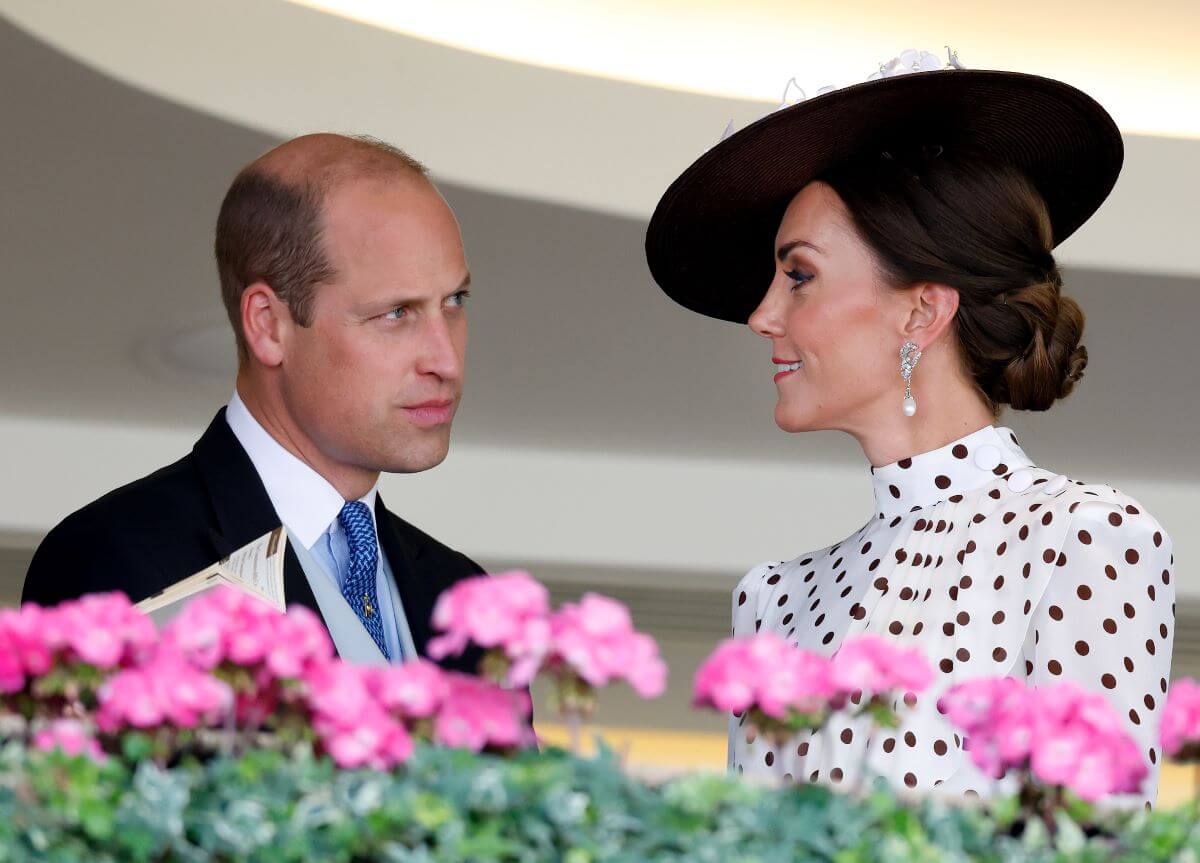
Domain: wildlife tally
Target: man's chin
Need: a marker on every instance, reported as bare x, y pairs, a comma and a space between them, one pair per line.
424, 455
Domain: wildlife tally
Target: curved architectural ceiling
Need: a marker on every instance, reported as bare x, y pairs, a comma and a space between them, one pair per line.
1141, 64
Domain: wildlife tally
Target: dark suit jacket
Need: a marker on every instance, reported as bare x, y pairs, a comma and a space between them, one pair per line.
149, 534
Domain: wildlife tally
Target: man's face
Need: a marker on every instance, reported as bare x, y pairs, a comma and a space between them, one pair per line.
375, 380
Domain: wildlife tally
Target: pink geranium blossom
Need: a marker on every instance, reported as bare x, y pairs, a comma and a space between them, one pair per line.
476, 714
1064, 734
1180, 727
766, 672
874, 665
165, 691
70, 736
508, 612
414, 690
596, 640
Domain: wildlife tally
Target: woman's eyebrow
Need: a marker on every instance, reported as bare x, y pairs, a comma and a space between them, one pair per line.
788, 246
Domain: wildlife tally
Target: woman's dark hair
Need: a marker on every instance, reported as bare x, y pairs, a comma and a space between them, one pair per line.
952, 216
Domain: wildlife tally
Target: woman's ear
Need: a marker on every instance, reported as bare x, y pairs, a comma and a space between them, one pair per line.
931, 310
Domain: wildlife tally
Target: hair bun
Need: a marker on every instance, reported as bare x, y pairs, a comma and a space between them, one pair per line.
1054, 360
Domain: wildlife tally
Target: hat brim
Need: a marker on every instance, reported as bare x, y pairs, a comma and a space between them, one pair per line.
708, 244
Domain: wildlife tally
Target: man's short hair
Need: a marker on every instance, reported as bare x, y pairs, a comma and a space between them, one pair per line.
270, 228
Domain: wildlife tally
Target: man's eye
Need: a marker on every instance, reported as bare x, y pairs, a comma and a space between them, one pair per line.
459, 299
395, 314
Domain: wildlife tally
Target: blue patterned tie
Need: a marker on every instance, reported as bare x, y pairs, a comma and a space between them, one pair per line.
359, 586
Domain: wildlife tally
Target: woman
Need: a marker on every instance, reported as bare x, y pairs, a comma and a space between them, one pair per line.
910, 295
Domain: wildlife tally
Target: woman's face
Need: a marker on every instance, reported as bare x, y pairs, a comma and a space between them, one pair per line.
834, 327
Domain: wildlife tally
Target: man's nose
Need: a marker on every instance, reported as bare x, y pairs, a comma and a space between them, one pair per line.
439, 351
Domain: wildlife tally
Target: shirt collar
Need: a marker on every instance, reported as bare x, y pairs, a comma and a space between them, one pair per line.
960, 466
303, 499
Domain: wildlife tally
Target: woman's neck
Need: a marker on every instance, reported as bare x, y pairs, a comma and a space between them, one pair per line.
944, 414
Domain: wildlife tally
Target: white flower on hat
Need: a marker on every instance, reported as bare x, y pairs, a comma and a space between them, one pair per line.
910, 60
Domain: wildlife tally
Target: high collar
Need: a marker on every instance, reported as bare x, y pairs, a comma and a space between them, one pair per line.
959, 467
304, 500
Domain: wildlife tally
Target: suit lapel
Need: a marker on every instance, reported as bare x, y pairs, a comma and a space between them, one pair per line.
418, 591
242, 509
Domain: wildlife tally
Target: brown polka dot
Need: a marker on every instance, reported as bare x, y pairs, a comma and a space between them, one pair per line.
1056, 613
965, 582
742, 598
917, 627
959, 451
901, 555
962, 654
905, 463
910, 780
1062, 560
946, 665
1083, 592
881, 583
1008, 517
999, 654
1114, 518
1054, 667
1023, 533
1081, 647
895, 627
1048, 517
836, 774
963, 618
1131, 555
910, 699
1150, 646
1085, 537
802, 749
1128, 609
1048, 555
942, 481
1128, 664
828, 637
998, 618
910, 739
1134, 718
948, 628
895, 491
1131, 509
847, 735
1110, 625
1108, 681
1110, 572
769, 758
939, 747
889, 744
1148, 701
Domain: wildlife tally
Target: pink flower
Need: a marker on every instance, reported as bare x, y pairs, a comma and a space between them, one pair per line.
596, 639
1065, 734
509, 612
167, 690
375, 740
414, 690
476, 713
301, 641
873, 665
337, 692
28, 631
1181, 716
71, 736
764, 671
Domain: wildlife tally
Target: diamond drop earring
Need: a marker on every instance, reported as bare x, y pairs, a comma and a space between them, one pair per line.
910, 355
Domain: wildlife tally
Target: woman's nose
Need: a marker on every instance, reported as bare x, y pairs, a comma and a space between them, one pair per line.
766, 320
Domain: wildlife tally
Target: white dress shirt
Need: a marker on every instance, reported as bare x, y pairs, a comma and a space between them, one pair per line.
992, 567
308, 507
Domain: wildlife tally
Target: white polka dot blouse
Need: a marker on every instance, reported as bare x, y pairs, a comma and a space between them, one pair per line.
991, 566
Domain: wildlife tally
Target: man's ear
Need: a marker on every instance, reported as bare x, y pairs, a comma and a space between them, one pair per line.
265, 319
931, 310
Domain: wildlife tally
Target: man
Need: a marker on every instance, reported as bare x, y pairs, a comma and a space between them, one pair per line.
343, 275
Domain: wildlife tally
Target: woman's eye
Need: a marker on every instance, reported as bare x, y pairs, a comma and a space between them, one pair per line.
798, 277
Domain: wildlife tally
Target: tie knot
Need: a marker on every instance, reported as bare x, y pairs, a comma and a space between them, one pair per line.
355, 519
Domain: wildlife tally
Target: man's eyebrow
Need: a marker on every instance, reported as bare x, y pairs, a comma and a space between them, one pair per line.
787, 247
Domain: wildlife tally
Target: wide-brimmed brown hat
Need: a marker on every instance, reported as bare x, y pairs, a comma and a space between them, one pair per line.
709, 241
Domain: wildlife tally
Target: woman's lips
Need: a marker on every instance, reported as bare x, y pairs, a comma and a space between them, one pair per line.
430, 414
788, 371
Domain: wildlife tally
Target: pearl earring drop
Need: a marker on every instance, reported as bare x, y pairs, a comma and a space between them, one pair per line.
910, 355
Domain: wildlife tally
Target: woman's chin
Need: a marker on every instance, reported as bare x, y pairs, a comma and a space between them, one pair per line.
789, 419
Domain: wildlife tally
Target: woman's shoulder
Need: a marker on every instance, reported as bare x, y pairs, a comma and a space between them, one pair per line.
1096, 512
